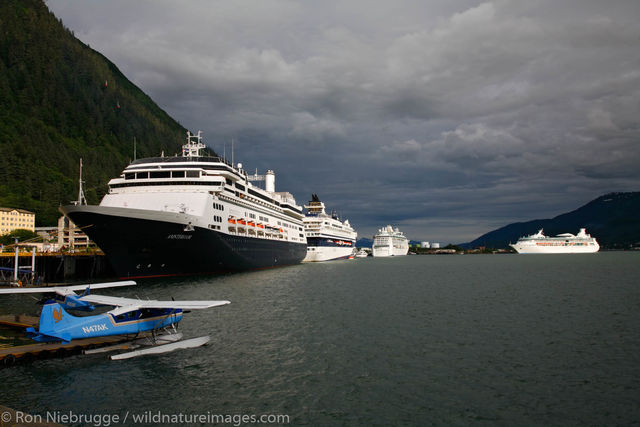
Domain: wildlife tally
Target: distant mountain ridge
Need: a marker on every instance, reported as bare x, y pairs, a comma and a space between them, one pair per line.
364, 242
613, 219
61, 101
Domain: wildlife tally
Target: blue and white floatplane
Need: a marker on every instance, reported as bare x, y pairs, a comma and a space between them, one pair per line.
130, 317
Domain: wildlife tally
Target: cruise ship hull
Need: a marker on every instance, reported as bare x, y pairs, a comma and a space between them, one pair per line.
548, 248
318, 251
386, 251
142, 244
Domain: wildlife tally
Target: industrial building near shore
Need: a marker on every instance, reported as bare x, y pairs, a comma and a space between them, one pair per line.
66, 235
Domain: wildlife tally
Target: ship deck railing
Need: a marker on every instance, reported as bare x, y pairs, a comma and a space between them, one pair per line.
259, 234
180, 159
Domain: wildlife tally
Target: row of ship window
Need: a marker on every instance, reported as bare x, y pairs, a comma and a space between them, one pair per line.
147, 183
188, 174
174, 174
162, 174
287, 225
177, 174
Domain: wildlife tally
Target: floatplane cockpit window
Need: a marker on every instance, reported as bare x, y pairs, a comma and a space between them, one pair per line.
127, 317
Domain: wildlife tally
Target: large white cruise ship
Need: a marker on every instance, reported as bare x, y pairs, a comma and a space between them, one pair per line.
390, 242
328, 238
565, 243
191, 213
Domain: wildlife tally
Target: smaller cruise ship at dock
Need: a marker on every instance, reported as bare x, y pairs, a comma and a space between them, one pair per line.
390, 242
328, 238
565, 243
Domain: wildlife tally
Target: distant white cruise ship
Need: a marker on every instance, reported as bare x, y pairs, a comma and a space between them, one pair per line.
565, 243
390, 242
328, 238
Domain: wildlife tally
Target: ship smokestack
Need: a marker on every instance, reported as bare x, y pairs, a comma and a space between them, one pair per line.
270, 181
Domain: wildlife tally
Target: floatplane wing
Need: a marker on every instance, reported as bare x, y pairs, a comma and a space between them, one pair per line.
185, 305
129, 304
66, 290
108, 300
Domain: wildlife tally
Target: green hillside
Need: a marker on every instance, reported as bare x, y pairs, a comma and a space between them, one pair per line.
61, 101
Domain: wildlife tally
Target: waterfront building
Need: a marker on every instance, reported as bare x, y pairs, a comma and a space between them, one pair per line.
13, 219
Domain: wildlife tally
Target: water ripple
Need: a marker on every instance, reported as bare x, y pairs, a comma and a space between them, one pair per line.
417, 340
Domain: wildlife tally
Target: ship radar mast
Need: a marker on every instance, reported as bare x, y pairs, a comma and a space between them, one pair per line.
81, 199
193, 146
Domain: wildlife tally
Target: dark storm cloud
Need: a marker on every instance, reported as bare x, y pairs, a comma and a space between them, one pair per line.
447, 118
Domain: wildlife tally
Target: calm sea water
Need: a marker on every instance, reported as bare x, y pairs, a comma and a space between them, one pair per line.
415, 340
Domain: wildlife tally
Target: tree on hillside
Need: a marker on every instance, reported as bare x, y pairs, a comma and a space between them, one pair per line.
55, 108
21, 234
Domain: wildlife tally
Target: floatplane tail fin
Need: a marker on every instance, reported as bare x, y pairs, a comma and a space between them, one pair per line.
53, 319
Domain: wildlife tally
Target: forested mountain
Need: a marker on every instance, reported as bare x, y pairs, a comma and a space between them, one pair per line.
61, 101
612, 219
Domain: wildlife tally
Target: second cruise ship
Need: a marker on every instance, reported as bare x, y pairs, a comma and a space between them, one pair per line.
328, 238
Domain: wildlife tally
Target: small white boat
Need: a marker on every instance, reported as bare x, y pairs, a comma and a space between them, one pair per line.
362, 253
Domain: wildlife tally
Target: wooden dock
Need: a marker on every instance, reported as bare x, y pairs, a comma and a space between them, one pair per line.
19, 321
29, 352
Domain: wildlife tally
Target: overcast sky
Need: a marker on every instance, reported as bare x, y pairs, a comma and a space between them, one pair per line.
447, 118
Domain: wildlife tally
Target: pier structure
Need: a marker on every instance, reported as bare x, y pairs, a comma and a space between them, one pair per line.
37, 268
